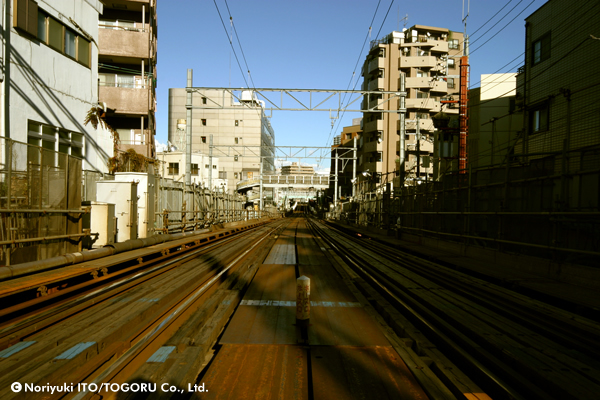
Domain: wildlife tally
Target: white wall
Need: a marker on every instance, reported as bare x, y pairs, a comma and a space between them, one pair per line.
50, 88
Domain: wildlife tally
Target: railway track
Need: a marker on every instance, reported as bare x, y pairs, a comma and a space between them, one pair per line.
510, 345
103, 330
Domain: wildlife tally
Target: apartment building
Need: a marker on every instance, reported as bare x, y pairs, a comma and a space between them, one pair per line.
127, 36
49, 82
342, 145
297, 169
428, 57
242, 136
557, 88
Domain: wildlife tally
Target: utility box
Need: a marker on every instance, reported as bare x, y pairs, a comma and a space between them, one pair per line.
145, 204
124, 196
103, 222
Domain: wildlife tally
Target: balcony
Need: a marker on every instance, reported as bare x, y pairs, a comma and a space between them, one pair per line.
377, 84
439, 46
418, 62
371, 126
376, 63
372, 147
424, 125
123, 42
424, 104
125, 100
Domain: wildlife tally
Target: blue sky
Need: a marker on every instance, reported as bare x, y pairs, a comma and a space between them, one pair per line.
313, 44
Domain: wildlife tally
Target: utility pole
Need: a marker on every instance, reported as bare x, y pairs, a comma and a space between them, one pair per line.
210, 162
335, 186
188, 133
418, 148
354, 167
402, 128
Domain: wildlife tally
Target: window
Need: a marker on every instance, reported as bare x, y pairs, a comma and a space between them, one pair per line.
381, 52
421, 74
222, 174
204, 121
83, 51
237, 141
450, 83
203, 139
453, 44
206, 166
53, 33
204, 100
54, 139
214, 167
541, 49
451, 63
41, 31
381, 73
173, 168
235, 158
539, 119
421, 94
237, 122
26, 16
194, 169
70, 43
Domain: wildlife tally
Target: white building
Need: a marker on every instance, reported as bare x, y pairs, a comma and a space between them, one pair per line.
172, 166
241, 132
50, 77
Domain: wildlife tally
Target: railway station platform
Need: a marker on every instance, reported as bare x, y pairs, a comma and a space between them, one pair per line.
343, 353
575, 285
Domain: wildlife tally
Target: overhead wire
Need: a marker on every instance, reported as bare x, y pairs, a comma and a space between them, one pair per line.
504, 27
357, 62
231, 43
359, 58
555, 43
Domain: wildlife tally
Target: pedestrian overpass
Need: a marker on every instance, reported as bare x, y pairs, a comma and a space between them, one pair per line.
293, 182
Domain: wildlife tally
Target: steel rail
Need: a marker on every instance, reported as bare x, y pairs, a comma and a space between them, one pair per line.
557, 324
41, 318
424, 270
381, 283
122, 360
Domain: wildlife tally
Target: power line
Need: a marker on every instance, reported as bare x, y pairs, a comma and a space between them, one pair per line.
357, 62
240, 44
381, 27
500, 20
510, 22
493, 16
230, 43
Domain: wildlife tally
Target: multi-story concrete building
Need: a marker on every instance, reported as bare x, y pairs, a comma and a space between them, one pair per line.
49, 81
172, 165
127, 71
428, 58
297, 169
345, 168
557, 88
241, 133
494, 120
